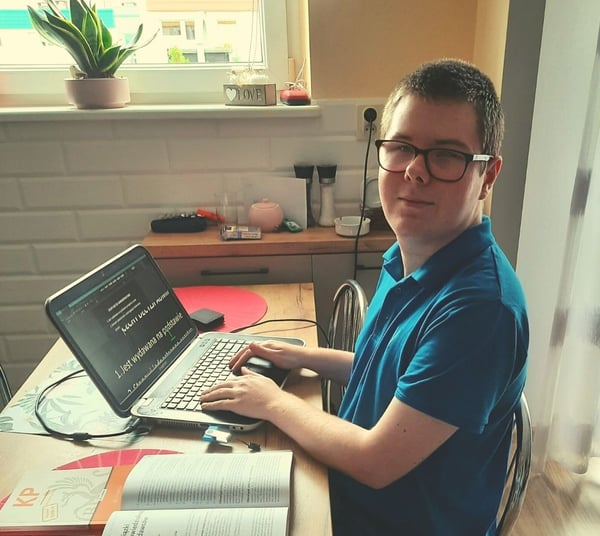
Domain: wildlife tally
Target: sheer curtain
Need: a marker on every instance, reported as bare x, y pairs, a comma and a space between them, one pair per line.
571, 415
559, 245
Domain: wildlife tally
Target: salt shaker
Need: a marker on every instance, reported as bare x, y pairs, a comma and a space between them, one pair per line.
326, 181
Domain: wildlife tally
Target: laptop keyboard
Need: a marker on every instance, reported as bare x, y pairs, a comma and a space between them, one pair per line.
213, 368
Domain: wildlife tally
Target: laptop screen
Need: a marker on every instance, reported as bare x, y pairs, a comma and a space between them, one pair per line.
124, 324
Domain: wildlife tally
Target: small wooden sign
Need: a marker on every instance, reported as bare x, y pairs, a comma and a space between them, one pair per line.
250, 95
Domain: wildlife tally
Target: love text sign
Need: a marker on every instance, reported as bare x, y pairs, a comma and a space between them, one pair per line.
250, 95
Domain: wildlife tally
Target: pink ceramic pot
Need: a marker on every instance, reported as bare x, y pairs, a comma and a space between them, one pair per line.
93, 93
266, 214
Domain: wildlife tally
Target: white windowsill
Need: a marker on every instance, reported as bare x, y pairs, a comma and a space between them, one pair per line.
161, 111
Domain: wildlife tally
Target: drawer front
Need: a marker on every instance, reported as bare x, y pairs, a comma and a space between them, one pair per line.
237, 270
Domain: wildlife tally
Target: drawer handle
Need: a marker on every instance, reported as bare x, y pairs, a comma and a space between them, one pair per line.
363, 267
257, 271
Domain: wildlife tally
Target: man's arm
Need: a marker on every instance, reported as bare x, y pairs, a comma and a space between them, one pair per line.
330, 363
400, 441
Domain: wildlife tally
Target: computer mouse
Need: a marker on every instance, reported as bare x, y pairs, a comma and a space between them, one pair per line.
256, 361
263, 366
255, 364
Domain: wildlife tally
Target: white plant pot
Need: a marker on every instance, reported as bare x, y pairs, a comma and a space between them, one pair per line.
90, 93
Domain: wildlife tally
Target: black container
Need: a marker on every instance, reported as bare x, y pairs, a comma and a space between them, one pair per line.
306, 171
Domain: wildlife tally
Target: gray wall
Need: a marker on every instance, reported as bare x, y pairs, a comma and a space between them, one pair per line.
523, 41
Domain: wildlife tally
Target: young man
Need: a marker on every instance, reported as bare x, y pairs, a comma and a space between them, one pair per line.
421, 441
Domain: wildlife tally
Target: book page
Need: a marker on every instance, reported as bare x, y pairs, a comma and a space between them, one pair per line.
213, 522
209, 481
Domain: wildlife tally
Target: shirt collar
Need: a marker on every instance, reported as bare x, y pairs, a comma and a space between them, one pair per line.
444, 262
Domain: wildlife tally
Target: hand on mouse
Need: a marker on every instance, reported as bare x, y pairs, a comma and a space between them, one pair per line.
281, 354
255, 364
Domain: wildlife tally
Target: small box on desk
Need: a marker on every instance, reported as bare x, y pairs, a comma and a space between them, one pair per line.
250, 94
240, 232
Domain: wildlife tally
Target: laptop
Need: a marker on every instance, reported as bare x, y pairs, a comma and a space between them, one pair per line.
137, 343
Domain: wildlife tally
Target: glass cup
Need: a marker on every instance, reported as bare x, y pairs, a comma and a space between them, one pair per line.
227, 210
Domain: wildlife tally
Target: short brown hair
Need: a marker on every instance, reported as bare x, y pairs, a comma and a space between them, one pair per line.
454, 80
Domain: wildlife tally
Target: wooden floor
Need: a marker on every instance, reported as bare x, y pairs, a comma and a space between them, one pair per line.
560, 503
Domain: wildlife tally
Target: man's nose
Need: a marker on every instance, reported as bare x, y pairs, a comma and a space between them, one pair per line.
417, 169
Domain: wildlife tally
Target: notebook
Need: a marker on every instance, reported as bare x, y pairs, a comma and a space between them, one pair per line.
137, 343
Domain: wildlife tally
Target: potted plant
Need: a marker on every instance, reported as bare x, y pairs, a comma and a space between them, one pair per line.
97, 57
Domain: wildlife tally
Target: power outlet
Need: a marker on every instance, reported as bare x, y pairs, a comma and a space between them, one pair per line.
362, 126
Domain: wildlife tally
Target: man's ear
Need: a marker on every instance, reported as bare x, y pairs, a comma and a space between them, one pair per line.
492, 170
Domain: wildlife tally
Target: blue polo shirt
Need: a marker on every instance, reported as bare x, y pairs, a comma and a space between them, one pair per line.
449, 340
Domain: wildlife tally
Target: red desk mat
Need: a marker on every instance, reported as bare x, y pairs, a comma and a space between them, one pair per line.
241, 307
112, 458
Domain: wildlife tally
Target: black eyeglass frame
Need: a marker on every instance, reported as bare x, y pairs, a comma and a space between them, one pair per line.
469, 157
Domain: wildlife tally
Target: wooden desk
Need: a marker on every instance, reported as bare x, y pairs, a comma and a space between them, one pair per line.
310, 492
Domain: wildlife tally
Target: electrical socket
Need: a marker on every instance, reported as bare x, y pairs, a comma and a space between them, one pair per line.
362, 126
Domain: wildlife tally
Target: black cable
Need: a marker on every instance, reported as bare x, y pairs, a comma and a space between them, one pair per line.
370, 118
321, 330
134, 426
252, 446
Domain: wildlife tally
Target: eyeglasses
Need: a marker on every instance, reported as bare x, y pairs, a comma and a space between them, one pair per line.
445, 165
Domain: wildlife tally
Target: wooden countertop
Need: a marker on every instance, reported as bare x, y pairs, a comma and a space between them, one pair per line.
314, 240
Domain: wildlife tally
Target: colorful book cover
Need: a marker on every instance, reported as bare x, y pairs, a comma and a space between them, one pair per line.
60, 502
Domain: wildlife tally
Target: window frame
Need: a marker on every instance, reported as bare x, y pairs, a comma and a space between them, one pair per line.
164, 84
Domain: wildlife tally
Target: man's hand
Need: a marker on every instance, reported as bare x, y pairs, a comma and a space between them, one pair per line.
282, 354
250, 394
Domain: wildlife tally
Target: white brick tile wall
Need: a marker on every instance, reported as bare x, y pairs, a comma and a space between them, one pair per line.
65, 131
166, 129
343, 150
123, 224
74, 193
31, 345
26, 158
168, 192
24, 349
270, 128
4, 357
24, 227
339, 117
10, 195
26, 319
206, 154
74, 258
30, 289
110, 156
16, 259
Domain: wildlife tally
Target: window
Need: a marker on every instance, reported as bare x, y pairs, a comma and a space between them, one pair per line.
170, 28
199, 43
190, 30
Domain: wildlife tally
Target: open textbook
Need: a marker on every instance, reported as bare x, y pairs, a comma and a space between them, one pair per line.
172, 495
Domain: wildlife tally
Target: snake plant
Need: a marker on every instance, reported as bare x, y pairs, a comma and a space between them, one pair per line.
85, 38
